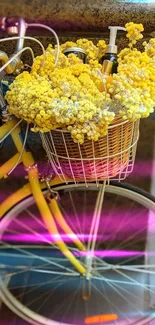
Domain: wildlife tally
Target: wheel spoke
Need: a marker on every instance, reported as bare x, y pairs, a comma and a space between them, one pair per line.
84, 214
50, 273
33, 216
132, 242
132, 295
114, 305
94, 228
122, 282
39, 257
133, 280
108, 300
133, 269
41, 237
72, 295
120, 227
75, 215
37, 287
113, 286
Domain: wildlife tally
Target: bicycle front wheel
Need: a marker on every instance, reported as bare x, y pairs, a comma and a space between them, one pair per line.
42, 287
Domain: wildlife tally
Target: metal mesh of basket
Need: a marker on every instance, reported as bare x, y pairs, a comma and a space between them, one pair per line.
111, 157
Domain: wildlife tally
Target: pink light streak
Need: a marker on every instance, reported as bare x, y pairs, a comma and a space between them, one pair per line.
141, 168
113, 253
43, 238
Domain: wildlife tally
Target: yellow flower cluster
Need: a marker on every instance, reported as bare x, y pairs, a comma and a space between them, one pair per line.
134, 32
66, 97
78, 97
150, 47
133, 86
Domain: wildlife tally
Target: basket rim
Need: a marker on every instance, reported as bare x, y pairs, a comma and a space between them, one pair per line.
111, 126
98, 158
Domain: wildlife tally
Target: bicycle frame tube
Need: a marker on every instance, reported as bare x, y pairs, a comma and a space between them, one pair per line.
5, 128
43, 207
49, 221
8, 165
26, 191
14, 198
53, 205
21, 194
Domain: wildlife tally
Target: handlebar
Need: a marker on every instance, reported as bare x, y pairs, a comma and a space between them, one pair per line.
18, 26
13, 26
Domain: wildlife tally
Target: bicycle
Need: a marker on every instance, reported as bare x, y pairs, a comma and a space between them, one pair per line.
76, 254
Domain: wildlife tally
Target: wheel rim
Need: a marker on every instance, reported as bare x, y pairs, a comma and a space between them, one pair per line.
103, 280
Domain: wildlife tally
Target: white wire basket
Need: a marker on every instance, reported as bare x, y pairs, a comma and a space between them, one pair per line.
111, 157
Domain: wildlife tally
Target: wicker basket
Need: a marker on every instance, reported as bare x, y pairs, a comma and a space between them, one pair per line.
112, 156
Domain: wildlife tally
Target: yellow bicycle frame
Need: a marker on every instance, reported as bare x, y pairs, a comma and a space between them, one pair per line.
48, 212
